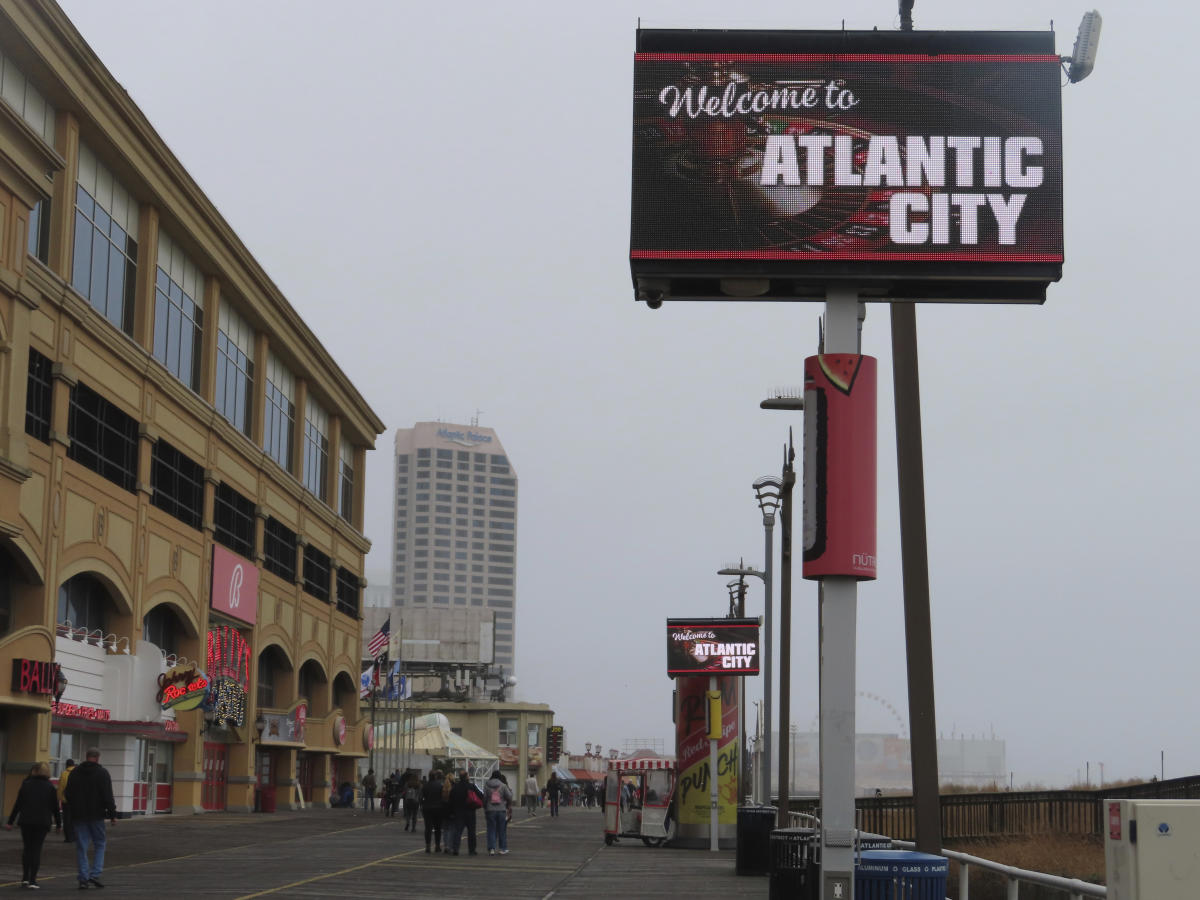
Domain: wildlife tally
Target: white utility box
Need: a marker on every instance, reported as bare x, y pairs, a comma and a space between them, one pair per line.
1152, 849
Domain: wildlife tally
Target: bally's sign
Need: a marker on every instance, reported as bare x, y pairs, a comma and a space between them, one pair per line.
712, 647
33, 676
234, 585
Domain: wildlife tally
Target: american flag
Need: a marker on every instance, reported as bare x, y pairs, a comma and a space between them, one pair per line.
379, 643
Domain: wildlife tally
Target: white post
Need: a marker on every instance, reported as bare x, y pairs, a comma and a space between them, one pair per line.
838, 619
713, 796
964, 881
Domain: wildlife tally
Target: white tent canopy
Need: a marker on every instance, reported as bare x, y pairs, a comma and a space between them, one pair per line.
431, 736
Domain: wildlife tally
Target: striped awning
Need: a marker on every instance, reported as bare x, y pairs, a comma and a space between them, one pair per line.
641, 763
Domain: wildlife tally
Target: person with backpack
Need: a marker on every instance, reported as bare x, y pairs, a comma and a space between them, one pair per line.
497, 808
465, 798
412, 802
431, 809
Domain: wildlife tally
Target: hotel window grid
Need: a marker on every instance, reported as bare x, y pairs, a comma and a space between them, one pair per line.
317, 571
39, 231
38, 395
316, 449
347, 592
346, 482
234, 521
178, 312
104, 262
103, 438
28, 102
279, 549
280, 413
178, 484
235, 368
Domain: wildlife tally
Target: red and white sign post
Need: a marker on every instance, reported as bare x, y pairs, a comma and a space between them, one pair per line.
839, 551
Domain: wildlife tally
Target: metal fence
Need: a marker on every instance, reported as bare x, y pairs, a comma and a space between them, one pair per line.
1009, 813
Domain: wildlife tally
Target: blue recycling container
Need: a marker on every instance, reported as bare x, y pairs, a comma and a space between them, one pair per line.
900, 875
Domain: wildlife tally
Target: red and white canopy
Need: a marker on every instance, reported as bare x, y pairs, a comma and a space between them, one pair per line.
641, 763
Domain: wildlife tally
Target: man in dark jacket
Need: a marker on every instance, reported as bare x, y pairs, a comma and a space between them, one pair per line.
431, 809
36, 805
461, 813
90, 796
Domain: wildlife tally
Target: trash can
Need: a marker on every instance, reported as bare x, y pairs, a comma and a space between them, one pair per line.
266, 801
754, 824
794, 870
888, 874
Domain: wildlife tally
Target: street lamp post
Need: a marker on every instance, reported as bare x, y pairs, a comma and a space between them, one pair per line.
768, 492
741, 571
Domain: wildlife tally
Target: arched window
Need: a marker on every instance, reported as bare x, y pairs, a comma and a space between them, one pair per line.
161, 627
83, 601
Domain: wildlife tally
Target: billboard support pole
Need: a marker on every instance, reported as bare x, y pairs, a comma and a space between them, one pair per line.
838, 605
714, 819
914, 555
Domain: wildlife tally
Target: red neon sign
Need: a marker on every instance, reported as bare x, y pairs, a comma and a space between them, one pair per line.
33, 676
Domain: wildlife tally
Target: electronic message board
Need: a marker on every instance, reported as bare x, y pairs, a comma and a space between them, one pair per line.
712, 647
909, 165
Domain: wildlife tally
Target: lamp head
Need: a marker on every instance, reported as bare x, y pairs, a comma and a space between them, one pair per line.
1087, 42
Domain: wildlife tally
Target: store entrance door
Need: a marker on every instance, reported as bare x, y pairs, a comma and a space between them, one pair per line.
264, 769
215, 786
306, 765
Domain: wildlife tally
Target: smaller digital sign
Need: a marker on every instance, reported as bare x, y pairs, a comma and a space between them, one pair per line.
712, 647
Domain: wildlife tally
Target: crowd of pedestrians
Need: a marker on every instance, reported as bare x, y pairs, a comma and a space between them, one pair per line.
447, 804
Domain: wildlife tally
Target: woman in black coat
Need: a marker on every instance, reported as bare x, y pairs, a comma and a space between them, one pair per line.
36, 805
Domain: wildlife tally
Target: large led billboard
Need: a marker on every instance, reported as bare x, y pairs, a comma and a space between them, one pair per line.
910, 165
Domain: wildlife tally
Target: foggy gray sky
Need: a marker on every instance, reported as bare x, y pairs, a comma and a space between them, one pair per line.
442, 192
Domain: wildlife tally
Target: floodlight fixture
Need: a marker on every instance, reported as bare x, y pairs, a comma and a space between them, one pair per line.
1083, 55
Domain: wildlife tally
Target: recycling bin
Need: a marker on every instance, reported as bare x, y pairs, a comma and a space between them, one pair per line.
895, 874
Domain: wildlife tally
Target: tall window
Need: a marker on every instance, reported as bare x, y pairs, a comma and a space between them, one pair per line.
280, 413
264, 689
178, 312
235, 368
317, 570
233, 517
39, 231
104, 264
316, 449
161, 628
347, 592
8, 575
178, 484
38, 393
102, 437
279, 550
346, 481
17, 91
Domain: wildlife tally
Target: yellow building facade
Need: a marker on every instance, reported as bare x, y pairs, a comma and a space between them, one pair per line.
181, 468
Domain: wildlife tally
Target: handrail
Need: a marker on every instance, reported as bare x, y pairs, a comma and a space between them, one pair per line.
1074, 886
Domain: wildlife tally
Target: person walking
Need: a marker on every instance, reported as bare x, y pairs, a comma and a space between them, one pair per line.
498, 804
431, 809
369, 785
531, 795
68, 831
553, 786
412, 802
90, 796
36, 805
465, 798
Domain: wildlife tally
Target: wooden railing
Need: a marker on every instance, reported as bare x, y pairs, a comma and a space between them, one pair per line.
1009, 813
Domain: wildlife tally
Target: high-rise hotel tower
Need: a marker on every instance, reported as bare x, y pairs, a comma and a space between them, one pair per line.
455, 539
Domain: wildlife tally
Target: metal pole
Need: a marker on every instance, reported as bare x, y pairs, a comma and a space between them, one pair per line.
785, 625
769, 528
838, 616
714, 819
914, 553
